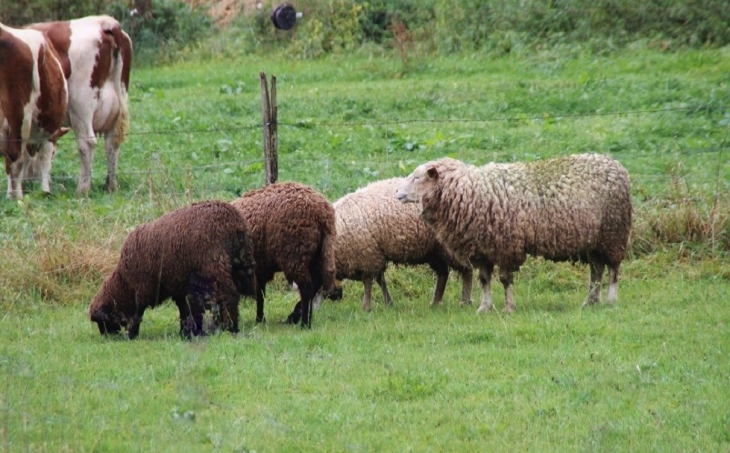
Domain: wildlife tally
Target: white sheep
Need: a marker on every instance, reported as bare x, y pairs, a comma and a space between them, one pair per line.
575, 208
373, 229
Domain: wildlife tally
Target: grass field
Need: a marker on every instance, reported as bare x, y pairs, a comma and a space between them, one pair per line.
649, 374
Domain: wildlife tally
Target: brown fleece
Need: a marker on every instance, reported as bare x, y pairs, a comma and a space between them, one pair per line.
200, 256
292, 230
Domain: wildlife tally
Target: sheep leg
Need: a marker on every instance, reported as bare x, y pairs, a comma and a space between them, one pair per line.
108, 327
307, 292
367, 283
191, 321
229, 313
612, 293
225, 298
507, 277
295, 315
438, 291
442, 276
380, 278
485, 277
260, 303
467, 278
594, 287
133, 329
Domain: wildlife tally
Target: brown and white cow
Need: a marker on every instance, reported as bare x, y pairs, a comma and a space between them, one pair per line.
96, 55
33, 102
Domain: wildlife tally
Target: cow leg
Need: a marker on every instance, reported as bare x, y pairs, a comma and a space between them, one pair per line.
112, 156
45, 160
14, 150
86, 140
15, 179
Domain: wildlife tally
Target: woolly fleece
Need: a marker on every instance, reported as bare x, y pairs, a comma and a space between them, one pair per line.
574, 208
373, 229
200, 256
292, 229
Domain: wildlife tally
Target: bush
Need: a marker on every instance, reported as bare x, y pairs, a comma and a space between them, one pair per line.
17, 13
160, 28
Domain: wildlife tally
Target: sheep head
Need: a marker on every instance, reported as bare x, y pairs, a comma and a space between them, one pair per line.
107, 308
422, 180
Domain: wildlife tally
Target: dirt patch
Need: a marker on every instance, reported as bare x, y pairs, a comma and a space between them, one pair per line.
224, 11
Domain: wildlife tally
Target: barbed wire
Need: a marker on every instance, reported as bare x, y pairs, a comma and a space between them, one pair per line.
389, 122
387, 162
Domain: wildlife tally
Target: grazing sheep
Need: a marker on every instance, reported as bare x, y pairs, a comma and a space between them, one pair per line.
200, 256
373, 228
575, 208
292, 229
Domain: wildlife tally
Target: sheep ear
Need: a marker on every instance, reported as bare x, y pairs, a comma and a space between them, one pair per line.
432, 173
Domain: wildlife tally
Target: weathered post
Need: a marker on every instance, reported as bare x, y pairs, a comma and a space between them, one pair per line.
271, 157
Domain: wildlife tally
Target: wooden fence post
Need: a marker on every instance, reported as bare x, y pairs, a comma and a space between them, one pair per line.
271, 154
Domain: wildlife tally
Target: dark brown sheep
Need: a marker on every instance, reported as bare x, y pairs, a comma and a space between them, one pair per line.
200, 256
292, 229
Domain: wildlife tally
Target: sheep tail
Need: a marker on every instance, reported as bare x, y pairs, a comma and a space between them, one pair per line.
327, 261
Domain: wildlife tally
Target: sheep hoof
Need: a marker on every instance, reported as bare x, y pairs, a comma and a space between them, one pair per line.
292, 319
589, 302
509, 309
484, 308
465, 303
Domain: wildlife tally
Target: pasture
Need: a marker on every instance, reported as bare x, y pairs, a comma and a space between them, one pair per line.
649, 374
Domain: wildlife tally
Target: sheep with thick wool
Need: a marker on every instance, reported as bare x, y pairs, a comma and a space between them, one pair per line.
373, 229
575, 208
200, 256
292, 230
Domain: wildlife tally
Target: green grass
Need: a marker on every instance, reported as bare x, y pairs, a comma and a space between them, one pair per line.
649, 374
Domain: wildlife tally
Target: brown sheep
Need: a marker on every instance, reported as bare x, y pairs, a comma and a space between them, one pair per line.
200, 256
575, 208
292, 229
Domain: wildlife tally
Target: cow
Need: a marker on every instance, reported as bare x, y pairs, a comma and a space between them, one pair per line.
96, 55
33, 104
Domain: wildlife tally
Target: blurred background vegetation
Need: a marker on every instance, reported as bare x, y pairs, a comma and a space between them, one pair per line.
165, 30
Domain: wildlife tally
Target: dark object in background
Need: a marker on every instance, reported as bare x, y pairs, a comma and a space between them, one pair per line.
284, 16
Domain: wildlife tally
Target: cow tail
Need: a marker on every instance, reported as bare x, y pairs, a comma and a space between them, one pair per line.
122, 68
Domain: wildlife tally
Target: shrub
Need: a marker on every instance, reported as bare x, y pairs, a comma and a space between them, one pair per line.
16, 13
160, 28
